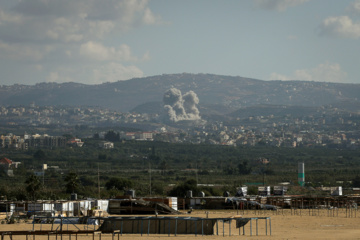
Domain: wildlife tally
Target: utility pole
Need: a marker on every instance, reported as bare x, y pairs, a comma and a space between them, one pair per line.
44, 167
98, 182
150, 176
196, 172
263, 170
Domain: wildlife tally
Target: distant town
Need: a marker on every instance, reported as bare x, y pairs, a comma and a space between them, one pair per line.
329, 128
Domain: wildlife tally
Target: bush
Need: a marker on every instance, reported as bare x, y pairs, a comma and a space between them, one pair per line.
180, 190
118, 183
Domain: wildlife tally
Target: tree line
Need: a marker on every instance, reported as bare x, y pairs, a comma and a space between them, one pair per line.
151, 167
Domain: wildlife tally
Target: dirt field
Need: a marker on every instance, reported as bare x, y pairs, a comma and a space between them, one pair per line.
285, 224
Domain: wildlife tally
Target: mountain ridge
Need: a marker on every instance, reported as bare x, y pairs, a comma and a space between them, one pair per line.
231, 92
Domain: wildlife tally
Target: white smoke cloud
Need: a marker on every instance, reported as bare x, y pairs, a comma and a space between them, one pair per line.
180, 107
190, 102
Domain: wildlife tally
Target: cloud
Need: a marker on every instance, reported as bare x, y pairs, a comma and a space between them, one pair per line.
66, 21
59, 34
342, 27
277, 76
149, 18
71, 21
53, 77
113, 72
21, 53
278, 5
292, 37
325, 72
38, 67
354, 7
41, 8
95, 51
99, 29
65, 30
9, 18
94, 73
99, 52
126, 13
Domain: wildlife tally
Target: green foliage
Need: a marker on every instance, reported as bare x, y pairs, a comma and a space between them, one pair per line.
154, 158
252, 190
112, 136
230, 169
87, 181
118, 183
211, 191
244, 168
39, 155
81, 127
72, 182
163, 166
3, 192
33, 186
181, 190
68, 136
204, 172
356, 181
175, 163
157, 188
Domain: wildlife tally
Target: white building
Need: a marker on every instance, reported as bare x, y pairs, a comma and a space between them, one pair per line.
106, 145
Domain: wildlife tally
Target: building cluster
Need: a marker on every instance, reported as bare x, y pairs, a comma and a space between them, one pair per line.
67, 116
24, 142
147, 136
7, 166
141, 136
36, 140
91, 207
329, 127
282, 133
56, 208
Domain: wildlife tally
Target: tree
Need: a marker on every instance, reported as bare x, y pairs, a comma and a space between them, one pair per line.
154, 158
356, 181
118, 183
243, 168
180, 190
112, 136
87, 181
163, 166
230, 169
3, 191
72, 182
39, 154
33, 186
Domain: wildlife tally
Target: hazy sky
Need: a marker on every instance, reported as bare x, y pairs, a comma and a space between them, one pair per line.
96, 41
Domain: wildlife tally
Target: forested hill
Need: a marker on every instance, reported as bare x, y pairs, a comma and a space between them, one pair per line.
214, 91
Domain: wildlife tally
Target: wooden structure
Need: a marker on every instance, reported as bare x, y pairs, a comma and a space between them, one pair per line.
178, 225
49, 233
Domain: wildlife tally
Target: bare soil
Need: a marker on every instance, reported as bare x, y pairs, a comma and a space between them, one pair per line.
285, 224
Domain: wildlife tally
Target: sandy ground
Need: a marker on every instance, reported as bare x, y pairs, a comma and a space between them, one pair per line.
285, 224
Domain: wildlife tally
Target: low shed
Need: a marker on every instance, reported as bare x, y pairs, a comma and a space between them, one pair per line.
166, 225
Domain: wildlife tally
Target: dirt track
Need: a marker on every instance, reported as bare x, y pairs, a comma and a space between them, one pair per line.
307, 224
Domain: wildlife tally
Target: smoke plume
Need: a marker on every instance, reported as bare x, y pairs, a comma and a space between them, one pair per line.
180, 107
